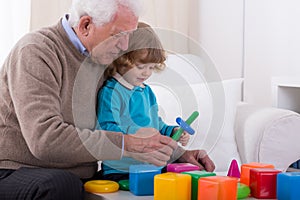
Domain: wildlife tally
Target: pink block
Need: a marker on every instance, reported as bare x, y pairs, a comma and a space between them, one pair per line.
181, 167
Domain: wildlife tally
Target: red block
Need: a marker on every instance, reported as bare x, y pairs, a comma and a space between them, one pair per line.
263, 182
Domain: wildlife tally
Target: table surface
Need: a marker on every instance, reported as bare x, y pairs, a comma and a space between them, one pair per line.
124, 195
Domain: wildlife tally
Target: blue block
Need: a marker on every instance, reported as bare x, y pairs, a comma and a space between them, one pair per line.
141, 179
288, 186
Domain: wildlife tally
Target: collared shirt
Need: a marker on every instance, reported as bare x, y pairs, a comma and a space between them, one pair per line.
126, 84
125, 108
77, 43
73, 37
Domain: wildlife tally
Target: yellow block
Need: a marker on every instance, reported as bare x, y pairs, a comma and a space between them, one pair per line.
173, 186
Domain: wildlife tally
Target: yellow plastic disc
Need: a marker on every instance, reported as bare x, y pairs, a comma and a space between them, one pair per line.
101, 186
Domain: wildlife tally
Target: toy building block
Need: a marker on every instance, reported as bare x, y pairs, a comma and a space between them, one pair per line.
141, 179
173, 186
217, 188
288, 186
234, 170
245, 170
263, 182
181, 167
195, 177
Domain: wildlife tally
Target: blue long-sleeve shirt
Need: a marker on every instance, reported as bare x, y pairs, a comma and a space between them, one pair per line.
124, 108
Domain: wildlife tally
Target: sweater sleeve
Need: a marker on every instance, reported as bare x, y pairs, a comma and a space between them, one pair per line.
35, 84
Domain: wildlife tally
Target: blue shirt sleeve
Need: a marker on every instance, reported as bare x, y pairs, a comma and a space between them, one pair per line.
112, 111
165, 129
107, 109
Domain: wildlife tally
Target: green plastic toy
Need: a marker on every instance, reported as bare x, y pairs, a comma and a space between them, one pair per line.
124, 185
243, 191
189, 121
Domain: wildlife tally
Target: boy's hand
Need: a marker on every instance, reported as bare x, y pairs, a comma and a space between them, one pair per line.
184, 138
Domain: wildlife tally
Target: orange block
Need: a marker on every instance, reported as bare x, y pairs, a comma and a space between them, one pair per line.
217, 188
245, 170
173, 186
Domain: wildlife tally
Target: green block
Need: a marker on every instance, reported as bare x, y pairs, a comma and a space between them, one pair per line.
195, 177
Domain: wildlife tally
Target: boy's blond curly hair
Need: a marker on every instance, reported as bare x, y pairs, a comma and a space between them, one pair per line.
142, 41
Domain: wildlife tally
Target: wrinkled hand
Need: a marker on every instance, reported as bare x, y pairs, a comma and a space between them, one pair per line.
184, 138
148, 145
199, 158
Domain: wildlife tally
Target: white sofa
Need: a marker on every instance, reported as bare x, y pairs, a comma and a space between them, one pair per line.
267, 135
226, 127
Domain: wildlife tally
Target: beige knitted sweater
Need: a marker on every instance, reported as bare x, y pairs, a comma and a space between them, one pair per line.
47, 107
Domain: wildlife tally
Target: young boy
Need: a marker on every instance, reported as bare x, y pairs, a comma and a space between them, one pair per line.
125, 102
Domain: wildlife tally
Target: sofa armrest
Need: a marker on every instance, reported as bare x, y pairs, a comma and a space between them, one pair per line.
267, 135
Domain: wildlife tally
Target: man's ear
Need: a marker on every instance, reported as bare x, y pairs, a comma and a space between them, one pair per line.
84, 25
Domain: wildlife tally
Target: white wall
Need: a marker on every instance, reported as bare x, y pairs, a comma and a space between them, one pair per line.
219, 29
45, 13
221, 34
14, 20
272, 46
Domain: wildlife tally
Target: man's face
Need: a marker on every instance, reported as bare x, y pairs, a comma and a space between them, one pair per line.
106, 42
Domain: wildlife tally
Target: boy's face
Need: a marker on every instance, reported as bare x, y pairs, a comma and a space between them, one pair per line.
138, 74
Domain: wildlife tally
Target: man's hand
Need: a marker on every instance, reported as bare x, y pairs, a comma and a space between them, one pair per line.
148, 145
199, 158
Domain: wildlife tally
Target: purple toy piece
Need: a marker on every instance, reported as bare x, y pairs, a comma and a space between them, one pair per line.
181, 167
234, 169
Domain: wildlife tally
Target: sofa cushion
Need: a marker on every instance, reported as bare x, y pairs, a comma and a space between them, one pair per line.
225, 148
266, 134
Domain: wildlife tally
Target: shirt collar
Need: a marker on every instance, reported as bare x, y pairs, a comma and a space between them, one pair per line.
73, 37
127, 85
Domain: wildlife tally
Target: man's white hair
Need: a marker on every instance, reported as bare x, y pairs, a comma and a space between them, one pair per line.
101, 11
